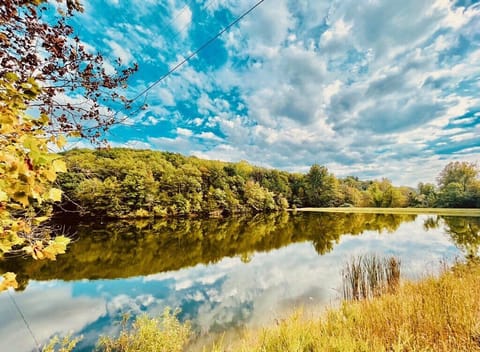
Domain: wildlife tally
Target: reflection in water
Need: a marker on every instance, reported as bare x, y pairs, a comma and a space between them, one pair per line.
464, 232
133, 248
223, 274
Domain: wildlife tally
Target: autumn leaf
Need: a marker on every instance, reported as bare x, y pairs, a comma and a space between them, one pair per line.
9, 281
57, 246
55, 194
59, 165
61, 142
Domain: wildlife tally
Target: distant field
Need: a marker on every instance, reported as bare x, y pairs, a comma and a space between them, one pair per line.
436, 211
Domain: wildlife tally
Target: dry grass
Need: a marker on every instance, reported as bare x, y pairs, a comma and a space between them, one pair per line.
436, 314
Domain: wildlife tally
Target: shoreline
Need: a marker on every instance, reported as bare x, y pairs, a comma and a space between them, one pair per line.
411, 211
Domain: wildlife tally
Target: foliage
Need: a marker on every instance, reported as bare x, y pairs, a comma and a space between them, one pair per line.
38, 45
28, 171
8, 281
50, 88
165, 334
64, 344
322, 188
459, 185
122, 183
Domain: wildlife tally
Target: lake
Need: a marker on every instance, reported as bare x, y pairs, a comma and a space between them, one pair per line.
224, 274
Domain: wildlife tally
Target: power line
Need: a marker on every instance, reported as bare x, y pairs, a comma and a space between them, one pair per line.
203, 46
37, 348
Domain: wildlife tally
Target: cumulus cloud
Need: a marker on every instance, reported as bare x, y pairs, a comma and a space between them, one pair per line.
350, 85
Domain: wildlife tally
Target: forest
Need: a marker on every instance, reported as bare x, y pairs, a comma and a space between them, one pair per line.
128, 183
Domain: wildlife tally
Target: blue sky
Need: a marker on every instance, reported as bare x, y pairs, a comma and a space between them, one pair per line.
368, 88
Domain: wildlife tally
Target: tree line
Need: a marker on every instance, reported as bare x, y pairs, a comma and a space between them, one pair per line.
122, 183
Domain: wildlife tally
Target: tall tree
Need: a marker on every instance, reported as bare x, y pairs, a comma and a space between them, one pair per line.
461, 172
459, 185
322, 188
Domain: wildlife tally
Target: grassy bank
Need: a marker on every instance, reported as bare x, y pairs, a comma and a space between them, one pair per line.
435, 211
435, 314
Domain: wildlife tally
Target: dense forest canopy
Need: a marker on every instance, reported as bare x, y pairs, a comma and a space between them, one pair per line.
142, 183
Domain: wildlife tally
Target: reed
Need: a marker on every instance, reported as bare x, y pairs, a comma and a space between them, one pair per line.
369, 276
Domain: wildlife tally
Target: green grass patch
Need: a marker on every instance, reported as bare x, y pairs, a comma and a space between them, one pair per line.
434, 211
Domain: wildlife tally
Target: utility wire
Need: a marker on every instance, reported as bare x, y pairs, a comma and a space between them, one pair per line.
37, 345
203, 46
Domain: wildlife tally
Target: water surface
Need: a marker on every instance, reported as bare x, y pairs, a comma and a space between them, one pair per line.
222, 274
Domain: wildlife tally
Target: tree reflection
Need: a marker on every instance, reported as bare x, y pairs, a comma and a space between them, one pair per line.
133, 248
464, 232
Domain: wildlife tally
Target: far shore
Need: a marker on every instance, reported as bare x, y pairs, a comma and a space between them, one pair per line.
434, 211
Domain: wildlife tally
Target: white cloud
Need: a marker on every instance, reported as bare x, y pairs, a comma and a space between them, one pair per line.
209, 135
120, 52
60, 314
347, 84
184, 132
166, 97
182, 20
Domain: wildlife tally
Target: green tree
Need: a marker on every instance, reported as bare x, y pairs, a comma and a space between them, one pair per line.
322, 187
461, 172
426, 195
258, 198
459, 184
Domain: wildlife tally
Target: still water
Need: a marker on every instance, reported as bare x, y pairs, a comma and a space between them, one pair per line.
223, 274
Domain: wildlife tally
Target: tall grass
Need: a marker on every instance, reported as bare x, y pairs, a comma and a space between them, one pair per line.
370, 276
436, 314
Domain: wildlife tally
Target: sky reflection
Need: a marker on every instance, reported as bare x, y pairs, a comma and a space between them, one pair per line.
215, 297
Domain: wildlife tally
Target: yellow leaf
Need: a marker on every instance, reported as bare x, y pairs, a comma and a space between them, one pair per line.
59, 165
38, 254
57, 246
61, 141
22, 198
50, 174
40, 219
55, 194
75, 134
3, 196
12, 77
8, 281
